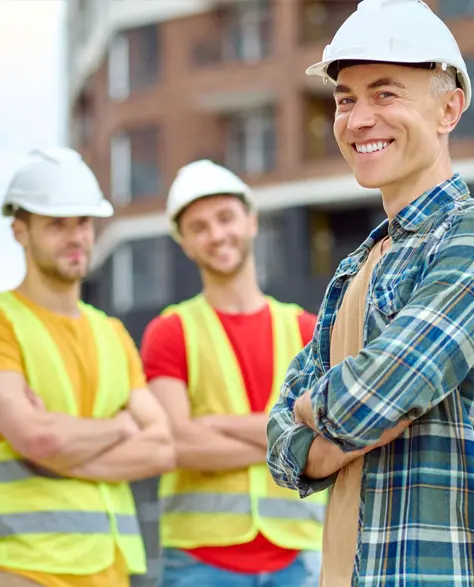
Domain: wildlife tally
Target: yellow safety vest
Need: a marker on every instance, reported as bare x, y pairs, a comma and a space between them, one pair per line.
242, 503
61, 525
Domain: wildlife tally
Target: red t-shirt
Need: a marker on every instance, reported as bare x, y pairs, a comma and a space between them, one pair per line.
164, 355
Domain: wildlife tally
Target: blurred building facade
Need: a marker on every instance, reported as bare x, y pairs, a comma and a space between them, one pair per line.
155, 84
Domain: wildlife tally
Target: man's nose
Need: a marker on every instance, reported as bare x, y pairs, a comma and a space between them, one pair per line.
362, 116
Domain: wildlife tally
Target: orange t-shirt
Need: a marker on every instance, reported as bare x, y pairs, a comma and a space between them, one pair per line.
75, 340
342, 514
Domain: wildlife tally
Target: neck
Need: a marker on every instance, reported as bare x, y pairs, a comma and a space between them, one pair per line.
238, 294
398, 196
60, 298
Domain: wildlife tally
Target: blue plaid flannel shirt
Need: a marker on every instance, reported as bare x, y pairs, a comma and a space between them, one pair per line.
416, 519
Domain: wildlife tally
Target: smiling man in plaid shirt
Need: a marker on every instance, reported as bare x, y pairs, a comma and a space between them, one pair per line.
380, 405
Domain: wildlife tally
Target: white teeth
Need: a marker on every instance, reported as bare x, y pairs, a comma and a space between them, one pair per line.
372, 147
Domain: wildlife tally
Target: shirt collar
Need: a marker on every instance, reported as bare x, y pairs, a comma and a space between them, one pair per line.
413, 217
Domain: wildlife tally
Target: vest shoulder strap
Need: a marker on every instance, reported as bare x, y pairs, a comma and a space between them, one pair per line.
183, 307
36, 342
114, 371
284, 307
6, 299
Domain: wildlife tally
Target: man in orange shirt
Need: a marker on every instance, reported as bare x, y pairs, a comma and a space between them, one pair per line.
77, 421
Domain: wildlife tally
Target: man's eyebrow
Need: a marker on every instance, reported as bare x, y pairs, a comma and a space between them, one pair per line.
379, 83
386, 81
342, 89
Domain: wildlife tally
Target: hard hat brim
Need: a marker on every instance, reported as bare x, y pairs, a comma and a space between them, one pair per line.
103, 210
321, 69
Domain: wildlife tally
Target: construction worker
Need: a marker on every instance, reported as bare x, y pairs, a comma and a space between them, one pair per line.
216, 363
76, 418
387, 385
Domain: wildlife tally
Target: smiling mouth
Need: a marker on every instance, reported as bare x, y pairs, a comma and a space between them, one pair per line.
368, 148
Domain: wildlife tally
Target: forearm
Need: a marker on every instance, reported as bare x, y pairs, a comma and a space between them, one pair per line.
60, 441
325, 458
420, 358
147, 454
250, 428
203, 449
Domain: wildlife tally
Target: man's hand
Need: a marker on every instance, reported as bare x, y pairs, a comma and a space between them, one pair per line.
148, 452
303, 411
325, 458
128, 424
200, 446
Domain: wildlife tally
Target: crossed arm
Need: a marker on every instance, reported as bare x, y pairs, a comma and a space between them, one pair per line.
134, 444
210, 443
367, 401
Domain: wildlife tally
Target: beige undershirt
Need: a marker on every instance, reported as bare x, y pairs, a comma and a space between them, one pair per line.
341, 524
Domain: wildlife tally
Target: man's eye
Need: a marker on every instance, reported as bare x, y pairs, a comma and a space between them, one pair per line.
345, 101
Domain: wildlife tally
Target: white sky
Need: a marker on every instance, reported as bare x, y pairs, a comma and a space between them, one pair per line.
32, 99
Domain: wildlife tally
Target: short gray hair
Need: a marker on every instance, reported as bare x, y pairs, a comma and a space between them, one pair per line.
442, 81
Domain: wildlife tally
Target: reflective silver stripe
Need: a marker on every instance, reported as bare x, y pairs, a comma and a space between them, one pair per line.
19, 470
236, 503
64, 522
205, 503
289, 509
127, 525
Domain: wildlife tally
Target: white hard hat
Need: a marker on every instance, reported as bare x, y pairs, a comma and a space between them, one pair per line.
55, 182
394, 31
198, 180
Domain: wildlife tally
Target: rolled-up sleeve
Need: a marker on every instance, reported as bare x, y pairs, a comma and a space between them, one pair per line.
289, 443
418, 360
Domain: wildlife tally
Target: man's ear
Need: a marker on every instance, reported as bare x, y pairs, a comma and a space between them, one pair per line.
20, 231
452, 109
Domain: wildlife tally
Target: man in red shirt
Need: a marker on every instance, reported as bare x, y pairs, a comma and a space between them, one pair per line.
216, 363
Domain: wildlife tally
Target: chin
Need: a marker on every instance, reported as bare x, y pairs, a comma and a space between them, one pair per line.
368, 182
72, 276
372, 180
224, 270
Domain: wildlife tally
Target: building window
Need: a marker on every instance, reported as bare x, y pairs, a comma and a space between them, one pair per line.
320, 19
270, 249
135, 172
142, 275
318, 124
83, 121
321, 243
454, 8
247, 31
251, 141
335, 233
134, 61
119, 68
